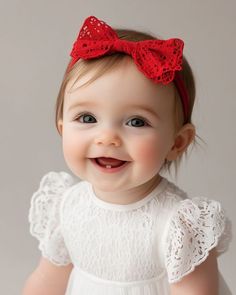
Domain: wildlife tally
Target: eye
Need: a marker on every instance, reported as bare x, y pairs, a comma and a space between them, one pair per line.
86, 118
138, 122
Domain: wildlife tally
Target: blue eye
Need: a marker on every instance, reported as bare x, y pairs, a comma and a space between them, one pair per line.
86, 118
137, 122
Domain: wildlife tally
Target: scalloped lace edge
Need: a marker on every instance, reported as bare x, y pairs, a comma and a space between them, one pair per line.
203, 258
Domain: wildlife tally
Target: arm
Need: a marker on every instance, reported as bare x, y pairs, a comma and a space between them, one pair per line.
202, 281
48, 279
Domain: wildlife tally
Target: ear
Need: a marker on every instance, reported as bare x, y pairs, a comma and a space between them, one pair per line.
182, 140
60, 126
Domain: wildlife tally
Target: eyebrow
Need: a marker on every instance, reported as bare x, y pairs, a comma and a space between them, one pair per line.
130, 106
145, 108
82, 104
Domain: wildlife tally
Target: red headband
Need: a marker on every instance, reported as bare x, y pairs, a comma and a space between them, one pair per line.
158, 60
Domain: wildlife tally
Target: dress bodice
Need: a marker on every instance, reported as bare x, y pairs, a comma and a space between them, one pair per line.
160, 238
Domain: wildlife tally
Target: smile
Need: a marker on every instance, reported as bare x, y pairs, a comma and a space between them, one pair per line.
109, 165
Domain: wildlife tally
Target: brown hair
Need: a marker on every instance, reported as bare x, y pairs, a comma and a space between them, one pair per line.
106, 63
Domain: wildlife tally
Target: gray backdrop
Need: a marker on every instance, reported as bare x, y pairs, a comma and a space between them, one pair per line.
35, 41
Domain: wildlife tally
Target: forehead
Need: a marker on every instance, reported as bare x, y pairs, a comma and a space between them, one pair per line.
123, 84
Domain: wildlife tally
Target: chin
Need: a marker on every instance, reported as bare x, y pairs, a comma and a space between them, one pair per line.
107, 186
104, 187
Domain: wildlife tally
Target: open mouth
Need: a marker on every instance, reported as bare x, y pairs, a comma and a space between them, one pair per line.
109, 162
109, 165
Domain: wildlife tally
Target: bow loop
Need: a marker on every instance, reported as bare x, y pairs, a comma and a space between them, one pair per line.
158, 60
88, 49
93, 29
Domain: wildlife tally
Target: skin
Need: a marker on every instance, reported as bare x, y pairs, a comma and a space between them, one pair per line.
202, 281
112, 133
47, 279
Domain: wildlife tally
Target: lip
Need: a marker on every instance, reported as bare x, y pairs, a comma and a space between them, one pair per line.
108, 170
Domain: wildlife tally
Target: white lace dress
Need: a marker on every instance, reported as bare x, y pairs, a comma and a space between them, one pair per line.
134, 249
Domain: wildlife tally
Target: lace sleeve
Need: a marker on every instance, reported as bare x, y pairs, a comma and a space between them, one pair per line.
197, 226
44, 217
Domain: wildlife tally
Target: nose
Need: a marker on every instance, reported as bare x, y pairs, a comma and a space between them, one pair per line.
108, 137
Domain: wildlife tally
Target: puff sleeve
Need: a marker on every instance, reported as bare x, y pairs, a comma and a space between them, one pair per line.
44, 216
196, 226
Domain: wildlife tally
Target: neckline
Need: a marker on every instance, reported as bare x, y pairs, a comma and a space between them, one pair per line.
125, 207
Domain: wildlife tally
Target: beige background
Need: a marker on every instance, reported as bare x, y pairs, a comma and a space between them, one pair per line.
35, 41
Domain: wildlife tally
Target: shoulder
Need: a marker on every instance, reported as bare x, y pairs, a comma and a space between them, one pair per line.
56, 190
176, 199
168, 201
77, 195
50, 191
171, 195
55, 183
48, 196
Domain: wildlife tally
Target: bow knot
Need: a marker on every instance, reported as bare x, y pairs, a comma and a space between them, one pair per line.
125, 46
156, 59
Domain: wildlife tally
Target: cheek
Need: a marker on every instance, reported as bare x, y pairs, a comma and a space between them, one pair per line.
145, 151
150, 150
71, 144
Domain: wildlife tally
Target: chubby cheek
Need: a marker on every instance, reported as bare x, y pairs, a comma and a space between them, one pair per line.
150, 154
72, 148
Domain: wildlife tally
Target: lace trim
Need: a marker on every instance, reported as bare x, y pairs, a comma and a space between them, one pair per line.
44, 216
198, 226
157, 59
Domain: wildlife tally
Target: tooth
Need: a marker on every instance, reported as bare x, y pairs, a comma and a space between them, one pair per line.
108, 166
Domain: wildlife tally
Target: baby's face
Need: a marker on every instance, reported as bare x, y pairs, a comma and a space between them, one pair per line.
121, 115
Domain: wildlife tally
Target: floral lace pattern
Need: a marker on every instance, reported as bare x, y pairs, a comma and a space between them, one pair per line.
44, 216
116, 245
157, 59
122, 244
197, 226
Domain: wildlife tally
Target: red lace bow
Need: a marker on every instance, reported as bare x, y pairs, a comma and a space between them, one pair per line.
156, 59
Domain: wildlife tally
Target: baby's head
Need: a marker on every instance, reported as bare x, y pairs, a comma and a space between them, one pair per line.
114, 94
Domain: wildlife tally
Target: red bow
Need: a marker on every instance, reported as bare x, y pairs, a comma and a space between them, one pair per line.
157, 59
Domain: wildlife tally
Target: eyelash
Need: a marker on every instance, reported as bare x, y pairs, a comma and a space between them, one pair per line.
135, 117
